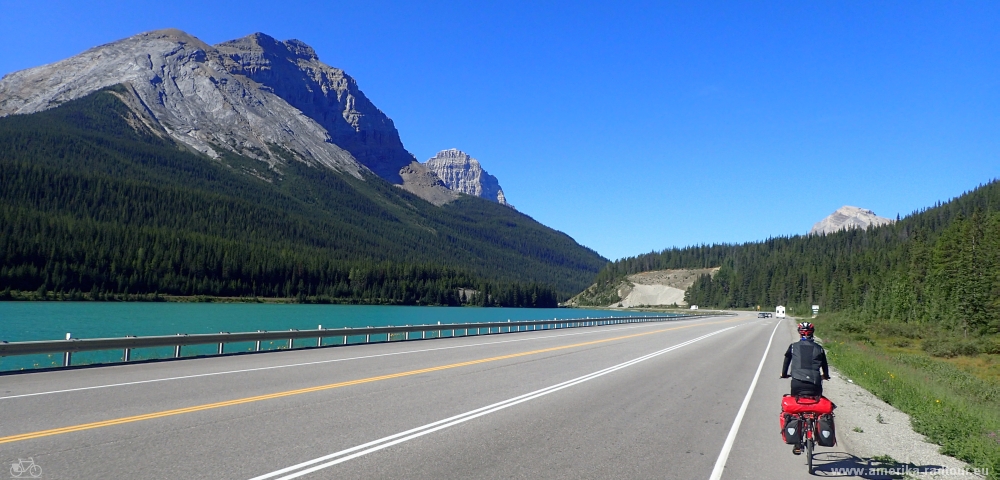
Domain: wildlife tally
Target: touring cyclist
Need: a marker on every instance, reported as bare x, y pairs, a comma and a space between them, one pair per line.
807, 360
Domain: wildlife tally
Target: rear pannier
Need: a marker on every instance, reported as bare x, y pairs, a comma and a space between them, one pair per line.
826, 435
791, 428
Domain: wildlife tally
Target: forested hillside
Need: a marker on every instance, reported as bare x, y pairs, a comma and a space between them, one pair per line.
940, 265
90, 204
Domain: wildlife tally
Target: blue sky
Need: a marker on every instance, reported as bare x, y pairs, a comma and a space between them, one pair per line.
636, 126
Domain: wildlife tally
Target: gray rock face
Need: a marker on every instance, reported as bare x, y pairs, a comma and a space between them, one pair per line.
848, 217
325, 94
465, 174
188, 89
420, 181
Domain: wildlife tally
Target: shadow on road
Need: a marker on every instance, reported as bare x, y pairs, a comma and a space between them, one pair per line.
839, 464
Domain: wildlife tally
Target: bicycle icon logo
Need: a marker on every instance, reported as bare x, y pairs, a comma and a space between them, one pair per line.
25, 469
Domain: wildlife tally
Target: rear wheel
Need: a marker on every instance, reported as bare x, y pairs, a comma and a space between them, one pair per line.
809, 454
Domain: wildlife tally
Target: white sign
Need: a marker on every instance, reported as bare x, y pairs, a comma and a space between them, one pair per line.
815, 309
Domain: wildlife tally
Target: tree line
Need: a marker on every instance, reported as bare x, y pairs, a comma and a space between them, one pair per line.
938, 266
89, 204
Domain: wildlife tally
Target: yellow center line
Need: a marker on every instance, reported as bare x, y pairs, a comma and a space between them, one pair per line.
287, 393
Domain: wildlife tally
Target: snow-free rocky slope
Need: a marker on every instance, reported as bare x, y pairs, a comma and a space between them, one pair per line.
255, 96
465, 174
847, 217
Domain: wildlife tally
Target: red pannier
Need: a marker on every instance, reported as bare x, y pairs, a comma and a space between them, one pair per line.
819, 406
791, 428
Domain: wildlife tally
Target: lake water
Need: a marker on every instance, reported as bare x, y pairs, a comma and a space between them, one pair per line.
24, 321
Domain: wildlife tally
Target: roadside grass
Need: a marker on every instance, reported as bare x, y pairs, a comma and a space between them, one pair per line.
952, 406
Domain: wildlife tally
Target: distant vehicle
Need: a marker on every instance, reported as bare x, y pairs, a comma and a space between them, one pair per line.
694, 307
762, 315
779, 311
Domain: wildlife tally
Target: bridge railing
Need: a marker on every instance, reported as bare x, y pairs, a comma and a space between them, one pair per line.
126, 344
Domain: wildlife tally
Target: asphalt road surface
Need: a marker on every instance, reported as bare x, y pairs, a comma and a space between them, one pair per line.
655, 400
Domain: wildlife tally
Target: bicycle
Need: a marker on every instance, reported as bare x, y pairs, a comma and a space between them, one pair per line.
22, 466
806, 413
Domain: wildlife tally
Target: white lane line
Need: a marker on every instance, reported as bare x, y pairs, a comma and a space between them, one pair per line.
245, 370
385, 442
720, 463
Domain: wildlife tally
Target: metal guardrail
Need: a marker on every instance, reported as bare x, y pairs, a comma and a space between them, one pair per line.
127, 344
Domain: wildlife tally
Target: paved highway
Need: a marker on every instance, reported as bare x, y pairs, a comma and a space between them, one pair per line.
631, 401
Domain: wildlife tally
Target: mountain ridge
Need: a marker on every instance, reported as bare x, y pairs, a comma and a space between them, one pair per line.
162, 69
183, 145
292, 70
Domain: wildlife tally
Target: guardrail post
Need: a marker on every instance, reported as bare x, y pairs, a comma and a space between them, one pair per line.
221, 344
291, 340
177, 348
319, 339
368, 336
68, 356
257, 347
127, 354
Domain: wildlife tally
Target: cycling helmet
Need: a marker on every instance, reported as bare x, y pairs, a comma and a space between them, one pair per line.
806, 329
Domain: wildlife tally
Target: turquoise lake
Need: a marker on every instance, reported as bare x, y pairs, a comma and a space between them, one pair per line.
24, 321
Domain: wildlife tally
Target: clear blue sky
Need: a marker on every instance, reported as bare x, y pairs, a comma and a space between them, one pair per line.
636, 126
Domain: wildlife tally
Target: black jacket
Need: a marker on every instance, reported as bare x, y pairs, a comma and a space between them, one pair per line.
806, 359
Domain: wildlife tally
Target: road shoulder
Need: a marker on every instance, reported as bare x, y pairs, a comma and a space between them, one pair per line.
880, 437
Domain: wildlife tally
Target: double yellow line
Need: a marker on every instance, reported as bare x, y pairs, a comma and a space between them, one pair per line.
288, 393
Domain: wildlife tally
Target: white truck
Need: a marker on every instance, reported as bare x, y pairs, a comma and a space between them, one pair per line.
779, 311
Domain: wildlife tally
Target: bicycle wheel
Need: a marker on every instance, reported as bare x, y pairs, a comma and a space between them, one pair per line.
809, 454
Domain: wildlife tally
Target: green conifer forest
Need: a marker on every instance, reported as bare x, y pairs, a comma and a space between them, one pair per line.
93, 205
939, 266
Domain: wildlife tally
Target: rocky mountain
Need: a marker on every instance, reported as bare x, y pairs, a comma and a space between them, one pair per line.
160, 164
848, 217
183, 87
256, 97
465, 174
293, 72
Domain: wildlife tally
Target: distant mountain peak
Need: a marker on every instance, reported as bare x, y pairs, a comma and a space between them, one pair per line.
848, 217
462, 173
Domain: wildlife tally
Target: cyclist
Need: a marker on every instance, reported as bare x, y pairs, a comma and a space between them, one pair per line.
807, 360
